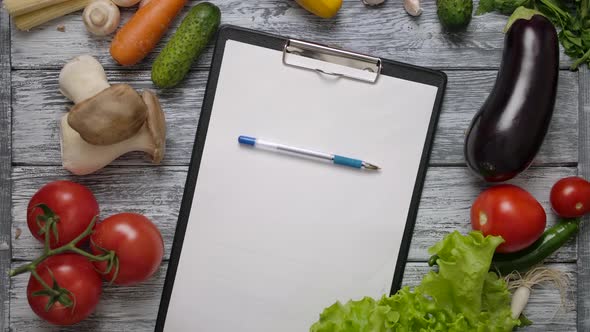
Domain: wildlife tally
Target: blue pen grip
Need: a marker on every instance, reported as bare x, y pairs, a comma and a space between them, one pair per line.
344, 161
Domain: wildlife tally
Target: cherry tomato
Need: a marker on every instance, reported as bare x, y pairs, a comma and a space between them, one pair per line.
73, 205
510, 212
73, 273
137, 242
570, 197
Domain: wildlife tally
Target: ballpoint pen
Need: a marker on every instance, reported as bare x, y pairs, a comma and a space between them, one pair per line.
336, 159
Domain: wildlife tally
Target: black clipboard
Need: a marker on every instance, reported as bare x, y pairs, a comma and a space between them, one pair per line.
279, 43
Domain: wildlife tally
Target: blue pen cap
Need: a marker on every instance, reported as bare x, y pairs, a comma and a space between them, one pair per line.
247, 140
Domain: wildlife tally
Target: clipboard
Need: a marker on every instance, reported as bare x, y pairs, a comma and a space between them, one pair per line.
265, 242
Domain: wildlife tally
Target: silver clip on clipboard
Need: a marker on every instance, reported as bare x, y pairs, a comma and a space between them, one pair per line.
360, 67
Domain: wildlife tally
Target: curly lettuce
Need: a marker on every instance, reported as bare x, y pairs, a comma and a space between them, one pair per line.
461, 296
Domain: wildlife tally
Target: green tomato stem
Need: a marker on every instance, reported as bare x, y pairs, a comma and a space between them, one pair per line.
70, 247
47, 227
43, 283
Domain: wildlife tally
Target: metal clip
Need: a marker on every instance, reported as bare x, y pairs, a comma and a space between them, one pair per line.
360, 67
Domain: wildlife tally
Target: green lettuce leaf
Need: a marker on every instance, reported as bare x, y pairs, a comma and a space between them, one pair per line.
461, 296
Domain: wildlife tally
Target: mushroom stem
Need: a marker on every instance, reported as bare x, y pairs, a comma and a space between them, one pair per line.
82, 158
81, 78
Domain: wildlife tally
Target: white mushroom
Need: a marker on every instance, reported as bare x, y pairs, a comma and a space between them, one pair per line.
103, 114
106, 121
82, 78
412, 7
82, 158
125, 3
101, 17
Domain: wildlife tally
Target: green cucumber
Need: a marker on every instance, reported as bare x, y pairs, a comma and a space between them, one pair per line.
189, 41
551, 240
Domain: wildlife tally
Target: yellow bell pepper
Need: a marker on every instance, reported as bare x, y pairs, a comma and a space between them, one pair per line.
321, 8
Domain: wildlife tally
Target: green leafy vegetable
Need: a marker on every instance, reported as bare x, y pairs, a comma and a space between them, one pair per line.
461, 296
570, 17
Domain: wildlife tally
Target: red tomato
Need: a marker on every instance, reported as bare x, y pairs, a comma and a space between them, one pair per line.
570, 197
137, 243
73, 204
78, 276
510, 212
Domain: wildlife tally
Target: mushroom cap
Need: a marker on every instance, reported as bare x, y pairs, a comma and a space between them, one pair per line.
101, 17
112, 116
126, 3
156, 122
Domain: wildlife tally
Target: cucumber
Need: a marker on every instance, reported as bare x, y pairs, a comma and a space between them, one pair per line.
189, 41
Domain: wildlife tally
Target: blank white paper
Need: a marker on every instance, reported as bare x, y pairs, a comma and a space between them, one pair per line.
273, 239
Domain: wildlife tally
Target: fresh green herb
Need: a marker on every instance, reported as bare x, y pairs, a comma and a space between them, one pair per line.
571, 18
461, 296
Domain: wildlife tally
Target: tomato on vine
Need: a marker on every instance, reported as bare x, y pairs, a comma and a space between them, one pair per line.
136, 242
63, 210
64, 289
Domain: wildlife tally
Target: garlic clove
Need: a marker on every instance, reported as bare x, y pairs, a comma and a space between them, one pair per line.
126, 3
412, 7
156, 122
372, 2
112, 116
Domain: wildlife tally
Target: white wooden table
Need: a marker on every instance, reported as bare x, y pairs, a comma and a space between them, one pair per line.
30, 106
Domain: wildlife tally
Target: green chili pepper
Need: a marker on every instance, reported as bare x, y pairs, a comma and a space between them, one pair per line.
551, 240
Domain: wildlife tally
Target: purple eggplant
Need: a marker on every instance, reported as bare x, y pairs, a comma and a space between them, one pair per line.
507, 132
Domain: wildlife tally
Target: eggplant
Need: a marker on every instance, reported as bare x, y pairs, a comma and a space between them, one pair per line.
507, 132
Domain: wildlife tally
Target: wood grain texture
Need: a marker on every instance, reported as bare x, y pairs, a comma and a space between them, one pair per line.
5, 169
133, 184
134, 308
38, 106
584, 234
385, 31
157, 192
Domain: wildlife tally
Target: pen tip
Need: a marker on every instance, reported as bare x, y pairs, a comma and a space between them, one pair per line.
371, 166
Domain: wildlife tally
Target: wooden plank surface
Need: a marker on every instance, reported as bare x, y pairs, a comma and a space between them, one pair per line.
132, 184
38, 106
156, 192
386, 31
5, 169
583, 266
127, 309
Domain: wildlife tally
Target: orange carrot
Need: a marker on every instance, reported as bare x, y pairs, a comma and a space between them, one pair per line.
135, 40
